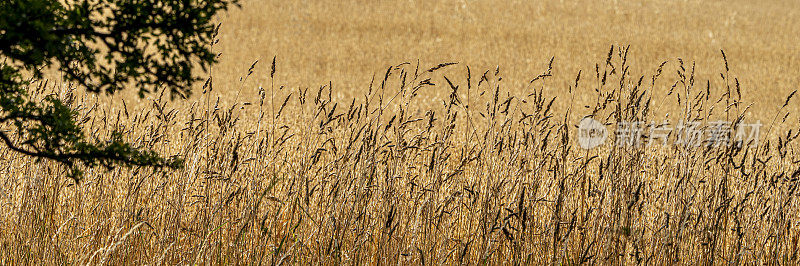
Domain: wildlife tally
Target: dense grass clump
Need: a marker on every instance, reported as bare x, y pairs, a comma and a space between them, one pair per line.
487, 174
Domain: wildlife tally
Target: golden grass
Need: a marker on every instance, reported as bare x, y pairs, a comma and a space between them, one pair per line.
398, 160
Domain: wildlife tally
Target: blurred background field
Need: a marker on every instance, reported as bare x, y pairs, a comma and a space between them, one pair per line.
347, 42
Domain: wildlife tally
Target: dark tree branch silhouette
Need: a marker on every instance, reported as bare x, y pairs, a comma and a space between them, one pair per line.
104, 46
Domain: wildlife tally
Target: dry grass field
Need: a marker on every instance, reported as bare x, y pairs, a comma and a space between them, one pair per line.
440, 132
